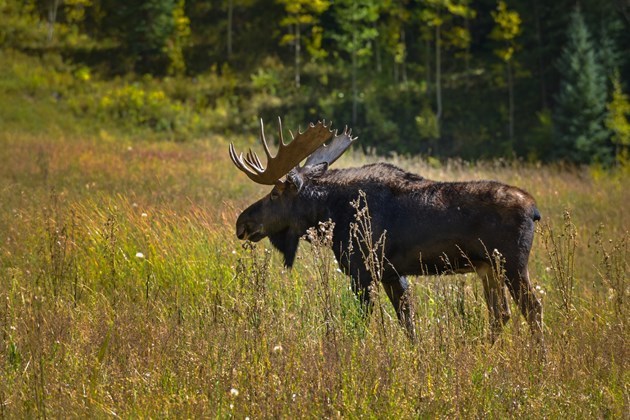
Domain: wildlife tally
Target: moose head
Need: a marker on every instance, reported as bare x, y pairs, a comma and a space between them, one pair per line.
282, 215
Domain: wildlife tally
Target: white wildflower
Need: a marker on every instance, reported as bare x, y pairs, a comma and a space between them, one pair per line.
234, 392
139, 255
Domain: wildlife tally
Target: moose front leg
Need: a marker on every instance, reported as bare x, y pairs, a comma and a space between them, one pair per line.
397, 289
362, 293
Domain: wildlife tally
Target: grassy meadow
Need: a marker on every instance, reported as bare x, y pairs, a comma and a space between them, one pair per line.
124, 292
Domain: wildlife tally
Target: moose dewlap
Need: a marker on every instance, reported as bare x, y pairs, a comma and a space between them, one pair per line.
431, 227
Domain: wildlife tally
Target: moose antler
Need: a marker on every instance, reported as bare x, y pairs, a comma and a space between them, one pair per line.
330, 152
303, 145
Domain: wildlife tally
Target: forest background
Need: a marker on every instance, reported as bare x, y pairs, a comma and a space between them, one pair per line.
124, 291
536, 80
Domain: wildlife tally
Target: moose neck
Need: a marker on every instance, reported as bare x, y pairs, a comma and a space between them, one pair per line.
310, 211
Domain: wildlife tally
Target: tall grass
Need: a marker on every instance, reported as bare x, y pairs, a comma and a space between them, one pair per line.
124, 292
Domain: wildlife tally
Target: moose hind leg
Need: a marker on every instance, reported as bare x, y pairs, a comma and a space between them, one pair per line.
523, 293
397, 290
494, 291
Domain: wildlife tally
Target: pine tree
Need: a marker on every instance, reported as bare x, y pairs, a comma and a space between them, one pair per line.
146, 29
580, 134
356, 36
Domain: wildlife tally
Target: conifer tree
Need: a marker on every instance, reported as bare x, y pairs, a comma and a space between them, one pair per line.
580, 135
146, 29
356, 36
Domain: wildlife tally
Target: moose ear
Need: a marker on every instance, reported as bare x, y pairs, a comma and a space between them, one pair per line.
315, 171
298, 176
295, 178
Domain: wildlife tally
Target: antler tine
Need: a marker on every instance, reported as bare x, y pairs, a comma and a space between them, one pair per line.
280, 136
252, 160
257, 161
289, 155
238, 161
330, 152
263, 141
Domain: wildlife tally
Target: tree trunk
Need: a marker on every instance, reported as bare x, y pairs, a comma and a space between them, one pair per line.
438, 77
354, 83
541, 61
467, 56
229, 34
403, 64
427, 66
511, 103
298, 51
377, 53
52, 18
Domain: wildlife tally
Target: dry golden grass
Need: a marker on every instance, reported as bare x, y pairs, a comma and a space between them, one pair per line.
124, 292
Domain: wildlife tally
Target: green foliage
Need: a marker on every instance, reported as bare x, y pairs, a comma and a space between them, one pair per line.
304, 13
617, 121
540, 141
346, 61
581, 102
133, 105
446, 15
427, 124
153, 32
356, 35
507, 28
19, 24
174, 46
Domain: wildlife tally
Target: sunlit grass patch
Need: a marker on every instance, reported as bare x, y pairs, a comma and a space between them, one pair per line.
125, 293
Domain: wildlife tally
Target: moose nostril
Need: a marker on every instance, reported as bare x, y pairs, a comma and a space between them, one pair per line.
240, 231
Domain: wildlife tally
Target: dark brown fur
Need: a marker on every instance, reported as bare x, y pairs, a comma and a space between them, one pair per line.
430, 227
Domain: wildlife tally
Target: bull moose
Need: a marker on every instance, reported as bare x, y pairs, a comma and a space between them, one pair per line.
431, 227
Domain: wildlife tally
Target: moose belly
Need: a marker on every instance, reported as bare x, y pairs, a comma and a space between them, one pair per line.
434, 248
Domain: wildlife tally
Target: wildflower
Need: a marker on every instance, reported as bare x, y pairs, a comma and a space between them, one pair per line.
277, 348
234, 392
139, 255
143, 215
